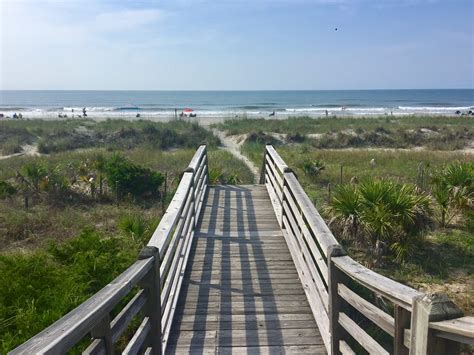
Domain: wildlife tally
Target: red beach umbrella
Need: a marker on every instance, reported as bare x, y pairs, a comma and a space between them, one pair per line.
187, 110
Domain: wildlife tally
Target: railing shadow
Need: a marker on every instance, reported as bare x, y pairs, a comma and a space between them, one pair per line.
237, 294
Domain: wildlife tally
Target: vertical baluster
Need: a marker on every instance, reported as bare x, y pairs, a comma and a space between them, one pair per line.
151, 284
431, 308
103, 331
402, 322
335, 276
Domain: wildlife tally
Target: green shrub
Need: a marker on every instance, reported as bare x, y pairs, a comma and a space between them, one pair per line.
136, 227
42, 286
381, 211
262, 138
124, 177
35, 172
453, 191
6, 189
11, 146
313, 168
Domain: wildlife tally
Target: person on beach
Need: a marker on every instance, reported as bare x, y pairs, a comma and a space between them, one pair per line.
327, 113
84, 112
272, 114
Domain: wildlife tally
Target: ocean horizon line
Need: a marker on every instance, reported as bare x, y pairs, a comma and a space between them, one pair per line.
229, 90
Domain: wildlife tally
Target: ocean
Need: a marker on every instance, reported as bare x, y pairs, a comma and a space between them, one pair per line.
156, 104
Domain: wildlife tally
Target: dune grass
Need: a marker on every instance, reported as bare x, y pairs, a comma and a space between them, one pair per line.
309, 125
66, 135
444, 260
40, 286
58, 252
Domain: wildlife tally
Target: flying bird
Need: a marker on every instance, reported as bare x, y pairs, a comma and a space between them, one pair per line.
335, 29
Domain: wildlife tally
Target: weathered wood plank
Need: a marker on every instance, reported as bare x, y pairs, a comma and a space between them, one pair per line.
270, 350
315, 252
198, 156
392, 290
248, 325
315, 222
276, 172
307, 261
279, 162
162, 234
361, 336
345, 349
241, 280
316, 303
239, 337
463, 327
376, 315
138, 338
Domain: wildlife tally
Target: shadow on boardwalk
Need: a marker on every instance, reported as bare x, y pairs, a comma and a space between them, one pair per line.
241, 291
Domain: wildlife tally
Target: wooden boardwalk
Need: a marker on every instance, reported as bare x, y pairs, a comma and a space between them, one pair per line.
241, 292
231, 282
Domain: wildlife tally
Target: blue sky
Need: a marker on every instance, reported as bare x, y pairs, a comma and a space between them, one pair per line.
239, 44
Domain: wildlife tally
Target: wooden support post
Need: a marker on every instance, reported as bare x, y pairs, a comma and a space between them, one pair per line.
103, 331
432, 308
402, 322
151, 284
262, 171
286, 171
193, 196
335, 276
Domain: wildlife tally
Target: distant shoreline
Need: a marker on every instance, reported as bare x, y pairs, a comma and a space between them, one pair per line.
208, 120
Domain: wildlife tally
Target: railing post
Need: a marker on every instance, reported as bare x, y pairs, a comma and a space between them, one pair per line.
285, 171
151, 284
262, 171
206, 182
103, 331
402, 322
432, 308
193, 195
335, 276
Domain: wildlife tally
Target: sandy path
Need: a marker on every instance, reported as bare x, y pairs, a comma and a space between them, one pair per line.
28, 149
232, 145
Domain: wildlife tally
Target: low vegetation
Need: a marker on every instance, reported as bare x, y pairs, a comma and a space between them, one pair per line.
435, 133
72, 220
60, 136
407, 214
309, 125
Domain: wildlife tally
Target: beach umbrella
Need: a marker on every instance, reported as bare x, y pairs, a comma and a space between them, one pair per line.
187, 110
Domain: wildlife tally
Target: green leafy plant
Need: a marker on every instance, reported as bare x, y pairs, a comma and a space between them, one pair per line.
453, 191
6, 189
381, 211
35, 172
215, 175
135, 226
125, 177
313, 168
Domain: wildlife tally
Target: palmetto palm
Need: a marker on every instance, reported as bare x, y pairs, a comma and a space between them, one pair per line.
389, 212
345, 209
453, 190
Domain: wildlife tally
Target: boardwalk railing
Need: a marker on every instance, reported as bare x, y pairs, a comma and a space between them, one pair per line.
158, 274
337, 286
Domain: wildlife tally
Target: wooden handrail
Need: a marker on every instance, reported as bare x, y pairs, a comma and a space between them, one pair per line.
159, 272
328, 276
